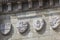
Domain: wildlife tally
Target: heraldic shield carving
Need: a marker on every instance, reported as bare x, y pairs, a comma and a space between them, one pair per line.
5, 25
54, 21
38, 24
23, 26
5, 28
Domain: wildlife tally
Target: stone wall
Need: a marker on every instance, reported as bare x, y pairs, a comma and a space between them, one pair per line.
47, 33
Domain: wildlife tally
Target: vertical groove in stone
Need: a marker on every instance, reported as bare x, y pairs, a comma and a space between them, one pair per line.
1, 7
59, 2
35, 4
25, 5
56, 2
4, 7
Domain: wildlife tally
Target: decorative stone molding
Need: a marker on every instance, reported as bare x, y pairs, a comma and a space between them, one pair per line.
22, 27
54, 21
31, 5
38, 24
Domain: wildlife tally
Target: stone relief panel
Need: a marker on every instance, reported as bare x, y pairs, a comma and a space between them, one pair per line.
54, 21
23, 24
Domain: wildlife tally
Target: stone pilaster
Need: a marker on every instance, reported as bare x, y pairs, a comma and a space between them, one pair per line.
9, 6
19, 5
30, 3
40, 3
51, 2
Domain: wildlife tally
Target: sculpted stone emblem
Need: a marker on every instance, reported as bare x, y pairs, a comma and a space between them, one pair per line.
54, 22
5, 28
23, 26
38, 24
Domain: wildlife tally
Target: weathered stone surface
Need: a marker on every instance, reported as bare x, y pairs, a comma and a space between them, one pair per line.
45, 34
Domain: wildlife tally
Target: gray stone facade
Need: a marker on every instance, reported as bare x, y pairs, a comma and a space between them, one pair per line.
30, 14
47, 33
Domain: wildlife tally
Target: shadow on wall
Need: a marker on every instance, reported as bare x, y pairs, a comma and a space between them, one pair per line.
6, 37
57, 29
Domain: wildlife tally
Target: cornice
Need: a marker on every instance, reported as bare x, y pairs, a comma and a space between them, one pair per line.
30, 8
